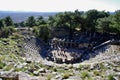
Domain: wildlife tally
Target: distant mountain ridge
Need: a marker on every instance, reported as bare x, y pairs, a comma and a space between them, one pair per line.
18, 16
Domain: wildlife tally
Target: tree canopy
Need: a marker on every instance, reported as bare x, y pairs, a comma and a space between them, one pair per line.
91, 21
8, 21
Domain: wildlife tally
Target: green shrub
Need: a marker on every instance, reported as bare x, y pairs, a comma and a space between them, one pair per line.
54, 69
16, 36
66, 75
111, 77
2, 58
102, 66
61, 70
2, 65
80, 67
71, 66
9, 67
85, 74
49, 77
17, 69
21, 69
96, 73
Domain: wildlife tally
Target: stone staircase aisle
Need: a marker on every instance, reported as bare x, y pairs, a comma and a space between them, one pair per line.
34, 48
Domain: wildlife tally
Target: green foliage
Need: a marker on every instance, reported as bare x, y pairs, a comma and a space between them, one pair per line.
92, 16
66, 75
91, 20
36, 31
16, 36
49, 77
116, 22
2, 58
40, 21
7, 31
80, 67
67, 21
9, 67
9, 50
61, 70
111, 77
102, 66
55, 69
8, 21
2, 24
6, 27
109, 24
31, 21
22, 24
85, 74
16, 24
44, 33
96, 73
104, 25
2, 65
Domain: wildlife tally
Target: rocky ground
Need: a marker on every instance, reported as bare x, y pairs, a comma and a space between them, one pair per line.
15, 66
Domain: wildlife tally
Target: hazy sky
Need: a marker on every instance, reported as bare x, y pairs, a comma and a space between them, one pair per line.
58, 5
